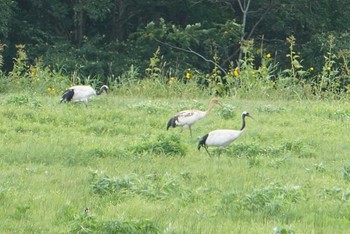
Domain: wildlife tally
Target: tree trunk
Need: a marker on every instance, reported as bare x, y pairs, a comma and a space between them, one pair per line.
244, 8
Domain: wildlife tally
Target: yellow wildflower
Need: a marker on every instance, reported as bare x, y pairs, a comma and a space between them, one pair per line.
311, 68
188, 75
51, 90
171, 80
236, 72
268, 55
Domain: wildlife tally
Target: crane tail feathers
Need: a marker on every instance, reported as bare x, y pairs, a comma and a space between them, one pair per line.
67, 95
201, 143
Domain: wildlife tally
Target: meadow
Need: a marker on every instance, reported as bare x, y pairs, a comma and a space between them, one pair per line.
112, 167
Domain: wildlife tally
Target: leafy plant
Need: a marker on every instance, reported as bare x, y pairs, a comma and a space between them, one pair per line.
88, 223
152, 187
346, 172
155, 68
272, 200
295, 72
144, 226
84, 223
169, 145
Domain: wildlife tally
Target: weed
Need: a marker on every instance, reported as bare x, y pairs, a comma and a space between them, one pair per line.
282, 230
252, 150
227, 112
88, 223
152, 187
65, 213
108, 185
167, 145
84, 223
319, 167
150, 107
333, 193
155, 68
346, 172
130, 226
18, 100
3, 192
343, 115
295, 72
21, 210
271, 109
272, 199
107, 152
229, 203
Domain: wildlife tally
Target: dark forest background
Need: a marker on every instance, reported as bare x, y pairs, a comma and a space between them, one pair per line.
104, 38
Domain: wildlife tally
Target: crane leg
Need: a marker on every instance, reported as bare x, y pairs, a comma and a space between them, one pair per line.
206, 148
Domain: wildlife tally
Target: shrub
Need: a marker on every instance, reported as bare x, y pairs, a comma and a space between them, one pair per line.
166, 145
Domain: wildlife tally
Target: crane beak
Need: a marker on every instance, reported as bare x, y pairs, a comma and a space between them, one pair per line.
250, 116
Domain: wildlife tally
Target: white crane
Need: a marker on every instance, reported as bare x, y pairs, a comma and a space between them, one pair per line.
222, 137
81, 93
187, 118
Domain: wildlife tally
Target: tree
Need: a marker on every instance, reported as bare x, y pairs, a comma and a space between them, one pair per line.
6, 12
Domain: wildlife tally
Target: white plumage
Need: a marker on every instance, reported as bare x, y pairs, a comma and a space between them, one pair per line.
187, 118
222, 137
81, 93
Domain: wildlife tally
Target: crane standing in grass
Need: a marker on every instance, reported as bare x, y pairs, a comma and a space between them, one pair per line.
81, 93
187, 118
222, 137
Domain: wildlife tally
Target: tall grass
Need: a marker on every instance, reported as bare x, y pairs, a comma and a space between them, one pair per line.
288, 173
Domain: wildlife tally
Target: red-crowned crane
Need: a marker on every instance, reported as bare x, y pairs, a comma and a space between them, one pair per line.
81, 93
222, 137
187, 118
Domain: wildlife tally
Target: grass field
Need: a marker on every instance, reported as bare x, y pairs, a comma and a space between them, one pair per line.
288, 173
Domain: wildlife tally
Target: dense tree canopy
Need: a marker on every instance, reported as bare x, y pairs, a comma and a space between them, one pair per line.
105, 37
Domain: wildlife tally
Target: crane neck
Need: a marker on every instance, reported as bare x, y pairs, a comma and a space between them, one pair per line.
243, 123
103, 88
210, 107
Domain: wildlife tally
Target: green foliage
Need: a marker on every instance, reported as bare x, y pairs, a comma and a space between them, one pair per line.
295, 72
37, 77
327, 79
227, 112
218, 84
273, 199
83, 223
346, 172
155, 68
163, 145
132, 226
21, 211
152, 187
87, 223
281, 230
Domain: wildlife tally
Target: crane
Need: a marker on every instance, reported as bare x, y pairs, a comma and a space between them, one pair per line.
187, 118
81, 93
222, 137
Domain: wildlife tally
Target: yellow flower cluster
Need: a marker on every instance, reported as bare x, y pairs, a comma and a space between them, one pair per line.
188, 75
268, 55
236, 72
51, 90
171, 80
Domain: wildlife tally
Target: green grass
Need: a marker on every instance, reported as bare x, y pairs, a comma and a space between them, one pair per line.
288, 173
